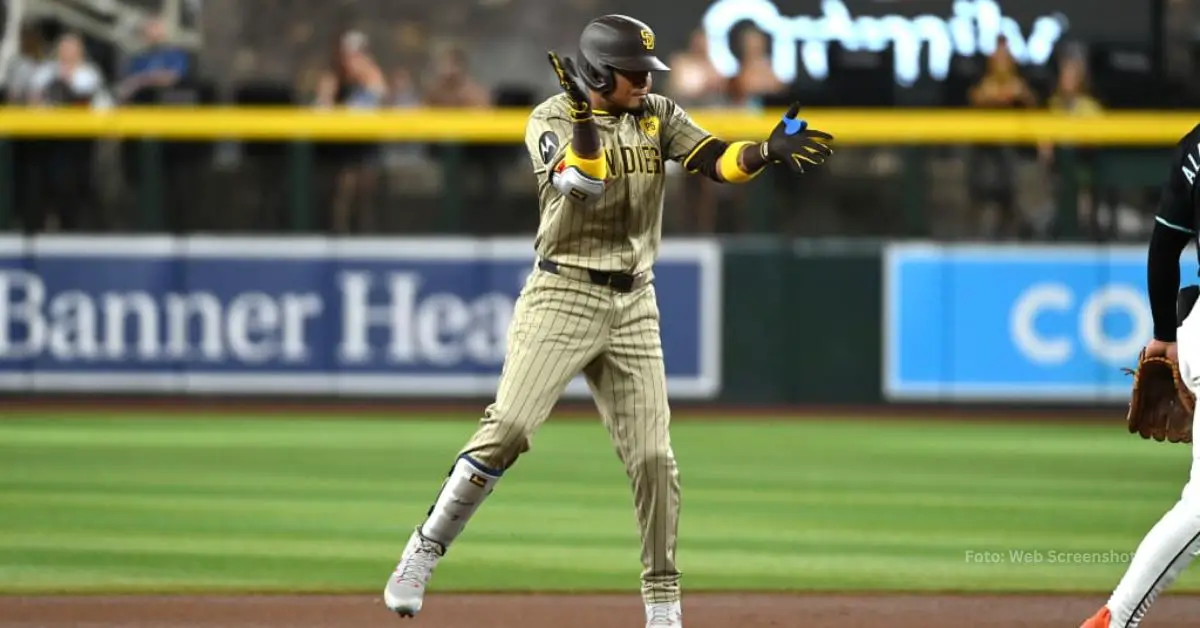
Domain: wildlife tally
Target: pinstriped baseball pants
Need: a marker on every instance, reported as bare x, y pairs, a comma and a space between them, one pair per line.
562, 327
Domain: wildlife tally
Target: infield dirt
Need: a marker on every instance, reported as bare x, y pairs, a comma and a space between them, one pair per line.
575, 611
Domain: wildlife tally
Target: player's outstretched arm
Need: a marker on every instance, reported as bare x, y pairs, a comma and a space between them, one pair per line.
792, 142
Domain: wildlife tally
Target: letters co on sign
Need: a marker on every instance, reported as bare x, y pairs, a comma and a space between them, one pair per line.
1014, 322
973, 28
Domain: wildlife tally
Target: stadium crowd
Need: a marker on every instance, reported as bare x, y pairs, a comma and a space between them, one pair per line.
402, 58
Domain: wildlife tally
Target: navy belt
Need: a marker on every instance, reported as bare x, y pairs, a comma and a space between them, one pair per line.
621, 282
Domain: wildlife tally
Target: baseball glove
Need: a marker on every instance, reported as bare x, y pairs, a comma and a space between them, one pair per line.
1161, 405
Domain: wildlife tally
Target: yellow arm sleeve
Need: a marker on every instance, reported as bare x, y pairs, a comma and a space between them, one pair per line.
596, 168
729, 167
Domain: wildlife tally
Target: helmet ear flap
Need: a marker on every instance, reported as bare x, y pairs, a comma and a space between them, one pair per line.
598, 79
607, 81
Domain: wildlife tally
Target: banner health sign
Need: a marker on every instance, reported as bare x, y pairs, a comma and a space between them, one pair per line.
997, 323
382, 317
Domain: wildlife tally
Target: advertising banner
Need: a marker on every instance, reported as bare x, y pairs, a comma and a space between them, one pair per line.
421, 317
925, 36
1012, 323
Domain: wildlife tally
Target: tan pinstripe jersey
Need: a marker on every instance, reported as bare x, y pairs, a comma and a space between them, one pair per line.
622, 230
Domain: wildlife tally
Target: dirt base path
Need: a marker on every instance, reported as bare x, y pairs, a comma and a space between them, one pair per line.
560, 611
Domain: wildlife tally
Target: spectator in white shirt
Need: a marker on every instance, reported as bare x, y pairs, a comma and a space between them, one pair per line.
69, 78
64, 166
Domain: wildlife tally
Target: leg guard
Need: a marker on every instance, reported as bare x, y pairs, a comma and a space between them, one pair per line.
465, 488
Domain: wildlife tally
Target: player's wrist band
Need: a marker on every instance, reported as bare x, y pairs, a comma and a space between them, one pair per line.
762, 150
581, 115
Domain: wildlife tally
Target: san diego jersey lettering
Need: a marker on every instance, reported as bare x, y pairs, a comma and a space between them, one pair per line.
621, 231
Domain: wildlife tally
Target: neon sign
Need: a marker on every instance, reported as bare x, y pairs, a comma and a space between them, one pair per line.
973, 28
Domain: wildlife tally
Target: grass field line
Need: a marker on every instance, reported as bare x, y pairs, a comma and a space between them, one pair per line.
916, 475
366, 542
301, 504
327, 504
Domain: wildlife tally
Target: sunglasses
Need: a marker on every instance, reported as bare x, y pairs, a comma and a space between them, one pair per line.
637, 79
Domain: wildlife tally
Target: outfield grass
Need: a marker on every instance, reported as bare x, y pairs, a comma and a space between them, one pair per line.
93, 503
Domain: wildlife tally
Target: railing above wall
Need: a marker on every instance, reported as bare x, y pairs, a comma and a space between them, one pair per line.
1128, 150
849, 126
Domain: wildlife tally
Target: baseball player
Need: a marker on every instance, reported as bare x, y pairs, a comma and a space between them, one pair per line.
1174, 541
599, 153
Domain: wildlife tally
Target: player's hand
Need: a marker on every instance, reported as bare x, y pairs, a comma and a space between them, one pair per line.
795, 144
572, 86
1158, 348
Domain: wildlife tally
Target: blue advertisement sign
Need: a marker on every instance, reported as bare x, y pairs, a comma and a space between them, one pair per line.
1005, 323
381, 317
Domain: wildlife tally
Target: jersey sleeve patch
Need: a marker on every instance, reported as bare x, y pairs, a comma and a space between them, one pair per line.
548, 146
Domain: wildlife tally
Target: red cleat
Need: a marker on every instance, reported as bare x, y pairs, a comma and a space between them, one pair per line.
1101, 619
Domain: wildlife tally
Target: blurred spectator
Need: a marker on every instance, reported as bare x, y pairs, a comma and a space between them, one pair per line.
453, 85
158, 65
308, 80
993, 167
69, 78
1179, 38
402, 94
1072, 96
756, 78
481, 173
31, 54
161, 74
695, 83
354, 81
755, 87
20, 72
694, 80
191, 13
63, 168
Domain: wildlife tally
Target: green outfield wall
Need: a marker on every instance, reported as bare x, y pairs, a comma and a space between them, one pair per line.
802, 322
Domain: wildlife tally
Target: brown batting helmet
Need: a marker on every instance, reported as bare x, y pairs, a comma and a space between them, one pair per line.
615, 42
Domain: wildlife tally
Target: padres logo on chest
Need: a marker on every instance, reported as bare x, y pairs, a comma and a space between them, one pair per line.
649, 125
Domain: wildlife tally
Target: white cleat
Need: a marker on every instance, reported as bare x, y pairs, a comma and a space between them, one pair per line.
664, 615
405, 590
